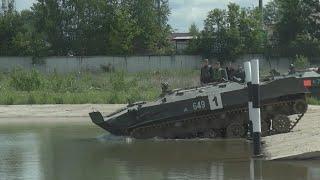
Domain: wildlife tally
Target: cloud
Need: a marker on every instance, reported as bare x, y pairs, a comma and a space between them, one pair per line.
24, 4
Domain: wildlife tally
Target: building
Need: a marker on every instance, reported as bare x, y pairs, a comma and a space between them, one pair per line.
180, 41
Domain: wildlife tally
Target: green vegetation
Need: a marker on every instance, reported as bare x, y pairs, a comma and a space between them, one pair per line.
22, 87
86, 28
313, 101
288, 28
130, 27
301, 62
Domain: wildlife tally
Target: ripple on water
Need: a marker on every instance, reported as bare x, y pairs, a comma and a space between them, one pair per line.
114, 139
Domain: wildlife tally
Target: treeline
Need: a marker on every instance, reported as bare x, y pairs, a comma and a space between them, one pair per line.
287, 28
129, 27
82, 27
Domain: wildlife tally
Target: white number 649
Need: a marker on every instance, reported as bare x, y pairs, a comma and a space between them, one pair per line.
199, 105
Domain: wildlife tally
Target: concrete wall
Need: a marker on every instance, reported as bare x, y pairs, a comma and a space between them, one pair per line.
280, 64
129, 64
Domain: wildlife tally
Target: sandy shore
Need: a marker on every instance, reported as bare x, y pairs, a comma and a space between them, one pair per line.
52, 113
302, 143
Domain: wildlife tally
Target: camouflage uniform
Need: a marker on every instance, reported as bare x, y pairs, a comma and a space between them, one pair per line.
216, 75
205, 74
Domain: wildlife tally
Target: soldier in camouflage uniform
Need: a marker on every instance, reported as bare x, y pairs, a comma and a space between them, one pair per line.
217, 74
205, 72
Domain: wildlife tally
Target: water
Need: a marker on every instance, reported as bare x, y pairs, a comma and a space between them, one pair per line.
85, 152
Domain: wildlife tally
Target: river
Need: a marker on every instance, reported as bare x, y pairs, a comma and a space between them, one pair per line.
81, 152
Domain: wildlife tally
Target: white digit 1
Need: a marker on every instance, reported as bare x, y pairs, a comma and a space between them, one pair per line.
215, 100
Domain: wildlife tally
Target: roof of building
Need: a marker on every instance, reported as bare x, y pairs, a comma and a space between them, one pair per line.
181, 36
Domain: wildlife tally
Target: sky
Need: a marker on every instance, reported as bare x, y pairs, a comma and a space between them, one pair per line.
183, 12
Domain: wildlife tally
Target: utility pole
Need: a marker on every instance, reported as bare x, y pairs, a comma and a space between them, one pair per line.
7, 5
261, 5
159, 11
261, 11
3, 6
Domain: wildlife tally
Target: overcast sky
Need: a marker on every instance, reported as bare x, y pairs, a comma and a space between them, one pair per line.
183, 12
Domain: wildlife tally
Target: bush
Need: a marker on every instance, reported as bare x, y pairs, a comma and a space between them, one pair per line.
31, 99
117, 81
26, 81
9, 100
313, 101
107, 68
301, 62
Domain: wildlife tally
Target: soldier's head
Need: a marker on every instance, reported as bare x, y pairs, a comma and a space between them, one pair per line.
205, 62
240, 68
230, 65
217, 65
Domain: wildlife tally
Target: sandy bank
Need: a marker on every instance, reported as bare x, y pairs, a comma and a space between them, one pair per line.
302, 143
52, 113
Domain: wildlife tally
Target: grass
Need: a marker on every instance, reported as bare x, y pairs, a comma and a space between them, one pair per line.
25, 87
313, 101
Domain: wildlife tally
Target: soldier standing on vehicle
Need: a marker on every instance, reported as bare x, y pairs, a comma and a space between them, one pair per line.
230, 71
239, 75
205, 72
216, 72
292, 69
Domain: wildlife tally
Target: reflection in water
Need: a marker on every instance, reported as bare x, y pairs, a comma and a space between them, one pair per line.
19, 156
73, 152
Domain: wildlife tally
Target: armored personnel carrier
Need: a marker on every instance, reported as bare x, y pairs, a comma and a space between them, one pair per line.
311, 80
214, 110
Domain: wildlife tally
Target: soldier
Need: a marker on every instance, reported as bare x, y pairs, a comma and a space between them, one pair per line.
230, 71
216, 72
239, 75
292, 69
205, 72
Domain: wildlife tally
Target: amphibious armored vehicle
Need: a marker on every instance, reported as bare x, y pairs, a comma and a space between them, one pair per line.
311, 80
214, 110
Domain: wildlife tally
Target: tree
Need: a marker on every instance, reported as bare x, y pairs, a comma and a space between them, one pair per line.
152, 23
213, 35
296, 30
49, 21
99, 27
230, 33
194, 43
122, 34
10, 25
